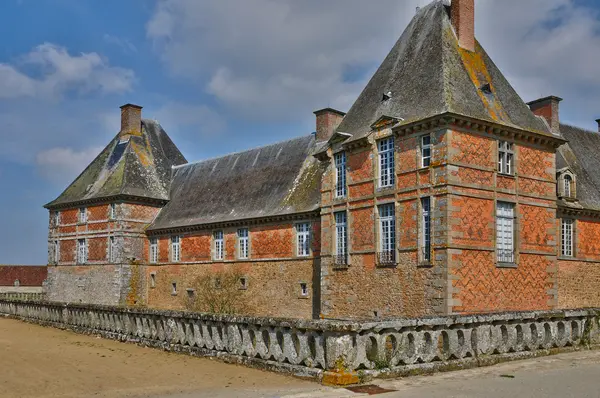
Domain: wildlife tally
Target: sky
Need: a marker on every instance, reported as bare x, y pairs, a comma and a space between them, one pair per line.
227, 75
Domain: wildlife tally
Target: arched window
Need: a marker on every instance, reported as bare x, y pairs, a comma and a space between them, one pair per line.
568, 184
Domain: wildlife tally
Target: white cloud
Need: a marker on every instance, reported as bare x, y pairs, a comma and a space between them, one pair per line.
56, 72
281, 59
126, 45
63, 164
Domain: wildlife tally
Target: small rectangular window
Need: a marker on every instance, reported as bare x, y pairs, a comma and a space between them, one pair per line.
112, 211
243, 243
56, 218
303, 239
56, 258
112, 250
426, 228
81, 251
567, 237
82, 215
218, 245
340, 174
505, 157
175, 248
153, 250
341, 238
386, 162
303, 289
174, 288
243, 283
387, 234
425, 151
505, 232
153, 280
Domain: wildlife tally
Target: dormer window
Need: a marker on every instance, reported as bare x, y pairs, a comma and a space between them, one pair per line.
566, 184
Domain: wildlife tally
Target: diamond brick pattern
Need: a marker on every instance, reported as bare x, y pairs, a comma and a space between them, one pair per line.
474, 218
362, 226
484, 287
473, 150
537, 228
535, 162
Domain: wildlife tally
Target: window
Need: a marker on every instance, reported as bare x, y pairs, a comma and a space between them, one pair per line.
340, 174
82, 215
56, 218
218, 245
505, 217
81, 251
505, 157
174, 288
153, 280
56, 253
243, 283
303, 289
426, 228
112, 250
190, 292
425, 151
153, 250
387, 235
341, 239
303, 239
217, 283
386, 162
568, 185
567, 237
243, 243
112, 211
175, 248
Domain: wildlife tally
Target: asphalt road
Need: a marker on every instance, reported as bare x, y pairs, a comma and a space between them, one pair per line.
43, 362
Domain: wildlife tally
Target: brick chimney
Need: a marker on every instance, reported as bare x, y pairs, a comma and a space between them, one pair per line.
328, 120
598, 121
131, 121
547, 107
462, 15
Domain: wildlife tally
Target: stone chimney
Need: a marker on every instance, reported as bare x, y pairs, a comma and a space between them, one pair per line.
547, 107
131, 121
462, 15
598, 121
328, 120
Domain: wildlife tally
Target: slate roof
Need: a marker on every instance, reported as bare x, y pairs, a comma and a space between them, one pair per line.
139, 167
278, 179
428, 74
581, 155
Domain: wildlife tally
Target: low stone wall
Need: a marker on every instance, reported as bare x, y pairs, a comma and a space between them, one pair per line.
339, 352
23, 296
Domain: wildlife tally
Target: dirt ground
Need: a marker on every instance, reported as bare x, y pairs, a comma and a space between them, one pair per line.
38, 361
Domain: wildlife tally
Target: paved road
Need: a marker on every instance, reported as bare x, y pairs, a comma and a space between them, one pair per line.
45, 362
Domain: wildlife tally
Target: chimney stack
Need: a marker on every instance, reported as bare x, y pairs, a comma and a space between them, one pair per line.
598, 121
547, 107
328, 120
131, 121
462, 15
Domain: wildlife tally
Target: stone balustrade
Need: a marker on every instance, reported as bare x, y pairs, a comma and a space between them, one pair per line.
310, 348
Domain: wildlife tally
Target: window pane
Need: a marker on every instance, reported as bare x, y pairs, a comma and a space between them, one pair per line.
340, 174
386, 162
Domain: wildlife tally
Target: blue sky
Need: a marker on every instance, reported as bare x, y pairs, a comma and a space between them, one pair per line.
226, 75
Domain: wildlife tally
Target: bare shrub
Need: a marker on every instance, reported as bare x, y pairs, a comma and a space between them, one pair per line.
218, 292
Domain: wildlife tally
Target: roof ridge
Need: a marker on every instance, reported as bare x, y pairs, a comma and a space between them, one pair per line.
578, 128
238, 152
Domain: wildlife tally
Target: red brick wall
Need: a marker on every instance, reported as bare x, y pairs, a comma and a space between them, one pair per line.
273, 241
195, 247
27, 275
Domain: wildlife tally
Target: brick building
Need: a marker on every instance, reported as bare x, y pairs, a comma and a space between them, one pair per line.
440, 191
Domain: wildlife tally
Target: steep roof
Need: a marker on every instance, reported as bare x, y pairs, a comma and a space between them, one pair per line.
277, 179
28, 275
139, 167
428, 74
580, 154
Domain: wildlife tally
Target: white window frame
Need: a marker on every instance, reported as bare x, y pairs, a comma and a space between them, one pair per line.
304, 292
112, 211
506, 158
567, 237
385, 152
243, 243
82, 215
426, 229
82, 251
340, 174
176, 248
153, 250
505, 232
218, 245
56, 218
426, 150
341, 237
387, 233
568, 186
303, 239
